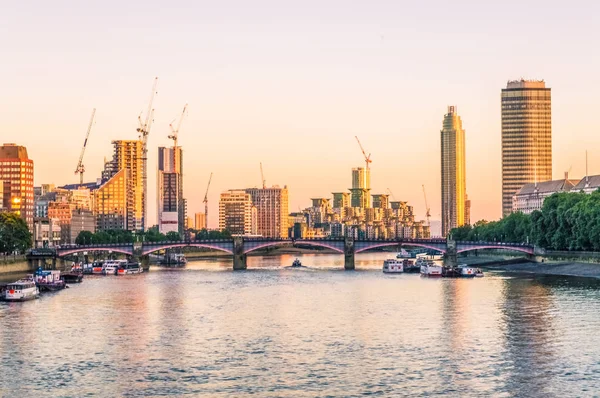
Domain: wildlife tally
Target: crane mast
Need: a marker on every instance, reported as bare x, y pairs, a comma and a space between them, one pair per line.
144, 131
206, 200
427, 209
80, 167
367, 158
174, 135
262, 176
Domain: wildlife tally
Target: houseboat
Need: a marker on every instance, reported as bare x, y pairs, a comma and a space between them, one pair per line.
428, 268
393, 266
48, 281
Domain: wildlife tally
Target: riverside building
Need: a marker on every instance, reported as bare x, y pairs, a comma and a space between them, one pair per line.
526, 137
16, 177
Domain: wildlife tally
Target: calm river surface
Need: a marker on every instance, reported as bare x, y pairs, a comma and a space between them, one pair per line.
273, 332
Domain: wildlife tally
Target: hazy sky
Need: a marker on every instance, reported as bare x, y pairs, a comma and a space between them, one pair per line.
290, 83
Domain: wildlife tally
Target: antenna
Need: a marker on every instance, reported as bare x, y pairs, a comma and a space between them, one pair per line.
587, 178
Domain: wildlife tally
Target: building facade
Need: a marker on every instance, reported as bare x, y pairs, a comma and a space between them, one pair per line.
453, 172
200, 221
170, 203
111, 202
531, 196
237, 214
526, 137
16, 176
272, 207
361, 187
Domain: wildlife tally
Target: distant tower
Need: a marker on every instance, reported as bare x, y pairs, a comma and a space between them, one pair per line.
361, 187
526, 137
170, 201
453, 172
16, 182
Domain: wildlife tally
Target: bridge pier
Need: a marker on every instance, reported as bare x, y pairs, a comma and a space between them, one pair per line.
451, 256
349, 251
145, 262
239, 257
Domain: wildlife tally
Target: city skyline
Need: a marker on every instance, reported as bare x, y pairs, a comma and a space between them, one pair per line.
308, 93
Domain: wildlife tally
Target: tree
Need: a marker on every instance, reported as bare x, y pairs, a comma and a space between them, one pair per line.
84, 238
173, 236
14, 234
153, 235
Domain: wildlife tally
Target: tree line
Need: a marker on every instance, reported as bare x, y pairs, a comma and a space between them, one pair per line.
151, 235
567, 221
14, 234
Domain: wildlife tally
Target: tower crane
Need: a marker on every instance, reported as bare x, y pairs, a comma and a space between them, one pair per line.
144, 131
206, 200
262, 176
80, 167
427, 209
391, 193
175, 133
367, 158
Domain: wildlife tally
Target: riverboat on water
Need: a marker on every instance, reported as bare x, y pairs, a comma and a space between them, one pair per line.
428, 268
130, 268
111, 267
49, 281
393, 266
462, 271
21, 290
174, 260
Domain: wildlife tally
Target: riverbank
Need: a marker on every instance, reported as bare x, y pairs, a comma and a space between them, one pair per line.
585, 270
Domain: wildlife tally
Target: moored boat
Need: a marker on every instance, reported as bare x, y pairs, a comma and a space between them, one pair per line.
393, 266
478, 273
130, 268
428, 268
174, 260
72, 277
410, 267
111, 267
461, 271
96, 269
296, 263
21, 290
48, 281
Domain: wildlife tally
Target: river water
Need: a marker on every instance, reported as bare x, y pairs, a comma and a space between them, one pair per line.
272, 332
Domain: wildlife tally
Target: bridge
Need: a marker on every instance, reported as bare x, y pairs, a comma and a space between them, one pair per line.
239, 247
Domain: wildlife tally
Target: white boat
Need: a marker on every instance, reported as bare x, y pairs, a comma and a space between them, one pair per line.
466, 271
404, 254
428, 267
111, 267
21, 290
393, 266
97, 267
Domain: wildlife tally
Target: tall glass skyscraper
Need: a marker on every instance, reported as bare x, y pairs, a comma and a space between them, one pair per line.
526, 137
454, 188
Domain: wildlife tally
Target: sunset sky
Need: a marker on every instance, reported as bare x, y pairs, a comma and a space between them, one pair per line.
290, 83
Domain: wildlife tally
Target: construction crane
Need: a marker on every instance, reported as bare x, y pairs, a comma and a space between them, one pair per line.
391, 193
367, 158
80, 167
206, 200
427, 209
173, 136
262, 176
144, 131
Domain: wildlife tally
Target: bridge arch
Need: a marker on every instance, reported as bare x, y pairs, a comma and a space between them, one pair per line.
320, 244
214, 246
385, 244
262, 245
66, 252
523, 249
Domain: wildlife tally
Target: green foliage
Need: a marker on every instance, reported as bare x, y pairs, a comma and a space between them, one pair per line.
205, 234
14, 234
84, 238
152, 235
567, 221
173, 236
103, 237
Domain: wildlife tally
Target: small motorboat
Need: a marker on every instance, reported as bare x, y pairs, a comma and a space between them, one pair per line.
296, 264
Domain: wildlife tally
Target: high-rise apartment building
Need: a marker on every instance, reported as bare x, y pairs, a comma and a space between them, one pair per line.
200, 221
341, 200
526, 137
237, 214
272, 209
119, 200
454, 192
361, 187
170, 203
16, 176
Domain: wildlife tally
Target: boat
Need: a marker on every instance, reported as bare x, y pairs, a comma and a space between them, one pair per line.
111, 267
174, 260
478, 273
73, 276
461, 271
49, 281
404, 254
97, 268
410, 267
21, 290
393, 266
296, 263
130, 268
428, 268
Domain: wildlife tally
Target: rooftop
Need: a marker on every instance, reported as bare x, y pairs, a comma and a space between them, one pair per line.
522, 83
564, 185
592, 182
13, 151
